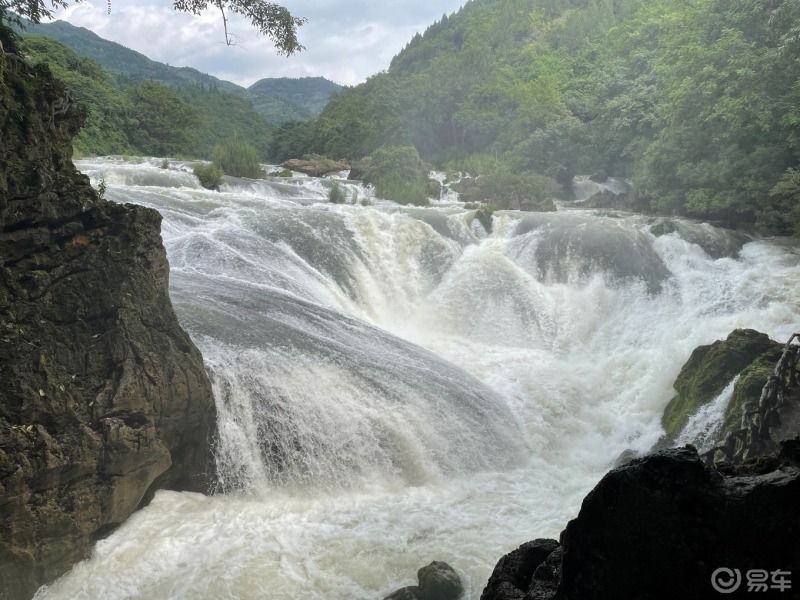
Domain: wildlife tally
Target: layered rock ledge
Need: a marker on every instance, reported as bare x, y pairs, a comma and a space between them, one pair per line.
103, 397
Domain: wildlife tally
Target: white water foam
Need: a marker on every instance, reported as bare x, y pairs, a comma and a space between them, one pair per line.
569, 329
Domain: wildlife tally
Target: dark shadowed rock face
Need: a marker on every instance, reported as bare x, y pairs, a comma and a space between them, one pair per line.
103, 397
660, 526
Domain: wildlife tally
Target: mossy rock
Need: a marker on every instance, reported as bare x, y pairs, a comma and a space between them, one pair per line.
749, 387
710, 368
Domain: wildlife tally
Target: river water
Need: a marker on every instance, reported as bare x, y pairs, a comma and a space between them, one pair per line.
395, 386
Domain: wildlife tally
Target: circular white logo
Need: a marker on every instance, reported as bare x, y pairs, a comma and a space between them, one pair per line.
726, 581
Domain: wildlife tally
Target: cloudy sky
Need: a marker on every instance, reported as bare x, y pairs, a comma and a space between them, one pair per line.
346, 41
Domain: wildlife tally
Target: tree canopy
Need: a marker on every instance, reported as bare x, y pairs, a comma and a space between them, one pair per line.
271, 20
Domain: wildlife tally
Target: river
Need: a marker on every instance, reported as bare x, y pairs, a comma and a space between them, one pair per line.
395, 386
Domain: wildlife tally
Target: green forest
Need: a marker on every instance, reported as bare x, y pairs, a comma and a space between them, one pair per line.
276, 99
147, 117
698, 103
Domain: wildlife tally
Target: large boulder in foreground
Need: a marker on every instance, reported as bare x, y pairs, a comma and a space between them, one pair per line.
662, 526
104, 396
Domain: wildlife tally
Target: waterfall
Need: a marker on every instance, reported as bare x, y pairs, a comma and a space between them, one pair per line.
702, 429
396, 386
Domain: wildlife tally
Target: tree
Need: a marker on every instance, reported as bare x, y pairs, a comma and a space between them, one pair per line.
271, 20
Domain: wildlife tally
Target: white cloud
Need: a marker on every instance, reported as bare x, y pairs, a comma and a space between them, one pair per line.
345, 41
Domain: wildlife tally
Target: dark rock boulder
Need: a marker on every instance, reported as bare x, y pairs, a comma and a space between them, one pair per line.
104, 396
660, 526
315, 165
437, 581
513, 574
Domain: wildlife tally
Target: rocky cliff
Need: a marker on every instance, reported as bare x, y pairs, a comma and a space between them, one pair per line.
103, 397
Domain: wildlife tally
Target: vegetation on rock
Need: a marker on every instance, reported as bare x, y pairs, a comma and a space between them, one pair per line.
398, 174
238, 158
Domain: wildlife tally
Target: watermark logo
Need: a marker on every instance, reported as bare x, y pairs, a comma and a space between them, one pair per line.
727, 581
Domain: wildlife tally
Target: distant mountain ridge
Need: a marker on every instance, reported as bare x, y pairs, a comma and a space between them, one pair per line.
308, 94
278, 100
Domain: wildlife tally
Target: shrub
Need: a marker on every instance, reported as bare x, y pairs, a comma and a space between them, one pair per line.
496, 182
397, 173
165, 163
336, 194
238, 157
285, 173
210, 175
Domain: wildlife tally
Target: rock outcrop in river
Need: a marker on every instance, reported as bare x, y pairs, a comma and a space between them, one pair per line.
104, 396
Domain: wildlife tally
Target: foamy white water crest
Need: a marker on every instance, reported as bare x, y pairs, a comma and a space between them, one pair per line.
395, 386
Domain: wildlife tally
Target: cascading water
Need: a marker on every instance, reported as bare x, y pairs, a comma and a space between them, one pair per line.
394, 386
584, 187
702, 429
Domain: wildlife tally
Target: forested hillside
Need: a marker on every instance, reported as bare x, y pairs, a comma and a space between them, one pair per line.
287, 99
276, 99
698, 103
148, 117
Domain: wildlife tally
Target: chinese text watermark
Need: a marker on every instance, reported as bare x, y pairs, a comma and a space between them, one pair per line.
727, 581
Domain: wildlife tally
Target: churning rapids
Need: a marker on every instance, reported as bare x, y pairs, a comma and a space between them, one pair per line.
394, 386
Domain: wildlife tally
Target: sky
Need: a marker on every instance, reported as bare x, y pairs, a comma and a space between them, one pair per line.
346, 40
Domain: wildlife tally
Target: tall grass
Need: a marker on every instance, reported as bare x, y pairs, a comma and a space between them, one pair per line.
238, 158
